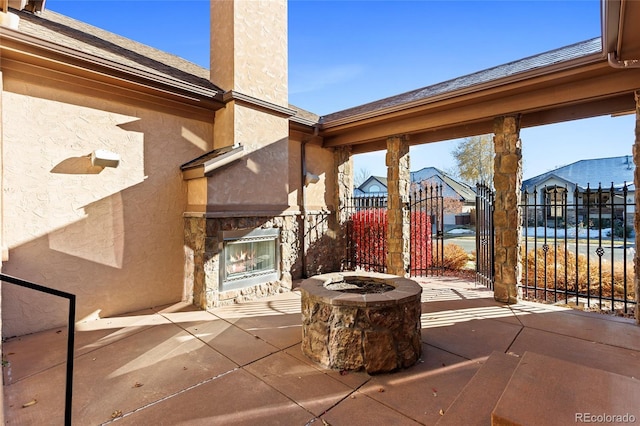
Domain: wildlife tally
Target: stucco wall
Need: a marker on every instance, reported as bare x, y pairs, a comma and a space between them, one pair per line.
257, 64
260, 179
112, 236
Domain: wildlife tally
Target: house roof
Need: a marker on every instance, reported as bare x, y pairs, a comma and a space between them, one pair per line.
609, 171
528, 64
452, 187
131, 56
360, 189
62, 30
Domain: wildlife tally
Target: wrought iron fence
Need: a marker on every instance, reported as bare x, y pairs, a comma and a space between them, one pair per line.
485, 261
578, 247
426, 207
366, 232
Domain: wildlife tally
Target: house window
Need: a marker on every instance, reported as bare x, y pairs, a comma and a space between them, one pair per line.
374, 188
555, 200
595, 198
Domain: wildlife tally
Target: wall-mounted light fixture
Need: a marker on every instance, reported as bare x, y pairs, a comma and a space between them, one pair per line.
104, 158
311, 178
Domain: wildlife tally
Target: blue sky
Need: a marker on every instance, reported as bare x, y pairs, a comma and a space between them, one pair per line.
346, 53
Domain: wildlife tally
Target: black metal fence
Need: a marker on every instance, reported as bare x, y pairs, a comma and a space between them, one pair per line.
426, 209
579, 247
366, 232
485, 261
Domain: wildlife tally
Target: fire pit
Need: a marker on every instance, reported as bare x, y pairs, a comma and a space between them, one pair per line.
361, 320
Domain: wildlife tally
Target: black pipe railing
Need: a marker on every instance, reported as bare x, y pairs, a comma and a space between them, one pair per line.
70, 334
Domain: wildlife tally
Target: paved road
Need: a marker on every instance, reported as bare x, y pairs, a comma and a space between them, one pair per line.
468, 243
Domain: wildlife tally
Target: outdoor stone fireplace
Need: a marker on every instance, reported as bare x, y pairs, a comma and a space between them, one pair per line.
234, 259
361, 320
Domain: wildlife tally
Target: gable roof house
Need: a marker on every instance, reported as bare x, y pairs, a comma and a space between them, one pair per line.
607, 173
129, 172
430, 177
607, 181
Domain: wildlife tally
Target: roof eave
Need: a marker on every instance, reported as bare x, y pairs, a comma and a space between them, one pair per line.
503, 81
30, 48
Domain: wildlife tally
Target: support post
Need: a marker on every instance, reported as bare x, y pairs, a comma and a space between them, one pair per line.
507, 181
398, 182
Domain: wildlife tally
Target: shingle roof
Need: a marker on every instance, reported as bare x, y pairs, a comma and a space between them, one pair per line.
451, 186
605, 171
70, 33
531, 63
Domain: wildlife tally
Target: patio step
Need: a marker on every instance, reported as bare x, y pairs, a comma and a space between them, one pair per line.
550, 391
474, 404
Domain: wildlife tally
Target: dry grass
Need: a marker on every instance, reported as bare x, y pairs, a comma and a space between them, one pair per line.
455, 257
563, 270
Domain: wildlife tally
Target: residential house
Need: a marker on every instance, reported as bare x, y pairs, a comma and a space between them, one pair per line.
460, 198
133, 178
571, 192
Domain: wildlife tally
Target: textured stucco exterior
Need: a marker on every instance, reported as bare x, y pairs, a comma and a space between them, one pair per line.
246, 55
261, 176
112, 236
142, 234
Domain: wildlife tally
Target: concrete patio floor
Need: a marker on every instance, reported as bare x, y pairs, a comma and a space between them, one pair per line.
242, 365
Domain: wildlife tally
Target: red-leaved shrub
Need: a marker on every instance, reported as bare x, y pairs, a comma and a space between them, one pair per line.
369, 239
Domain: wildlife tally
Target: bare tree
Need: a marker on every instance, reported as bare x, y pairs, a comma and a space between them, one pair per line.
361, 176
474, 157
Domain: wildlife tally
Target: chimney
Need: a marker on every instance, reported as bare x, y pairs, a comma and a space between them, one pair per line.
249, 62
249, 48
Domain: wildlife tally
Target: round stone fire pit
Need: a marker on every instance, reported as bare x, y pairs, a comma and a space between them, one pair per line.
361, 320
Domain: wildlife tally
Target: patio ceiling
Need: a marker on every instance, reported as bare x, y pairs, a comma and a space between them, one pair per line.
580, 87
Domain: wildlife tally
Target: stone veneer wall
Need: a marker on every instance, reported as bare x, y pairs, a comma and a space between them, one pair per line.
398, 183
344, 191
202, 249
507, 218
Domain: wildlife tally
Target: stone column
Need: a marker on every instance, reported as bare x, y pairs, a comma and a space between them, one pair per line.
398, 181
507, 181
636, 219
344, 191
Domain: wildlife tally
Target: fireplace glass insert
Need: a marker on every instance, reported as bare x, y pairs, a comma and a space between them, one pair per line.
249, 257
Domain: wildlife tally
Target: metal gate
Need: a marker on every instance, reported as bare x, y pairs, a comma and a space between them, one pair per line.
426, 242
366, 232
485, 272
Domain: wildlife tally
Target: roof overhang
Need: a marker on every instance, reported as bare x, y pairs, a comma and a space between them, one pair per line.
211, 161
28, 55
621, 38
588, 89
582, 87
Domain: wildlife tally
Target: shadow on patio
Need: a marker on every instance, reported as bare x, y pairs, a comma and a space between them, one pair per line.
526, 363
